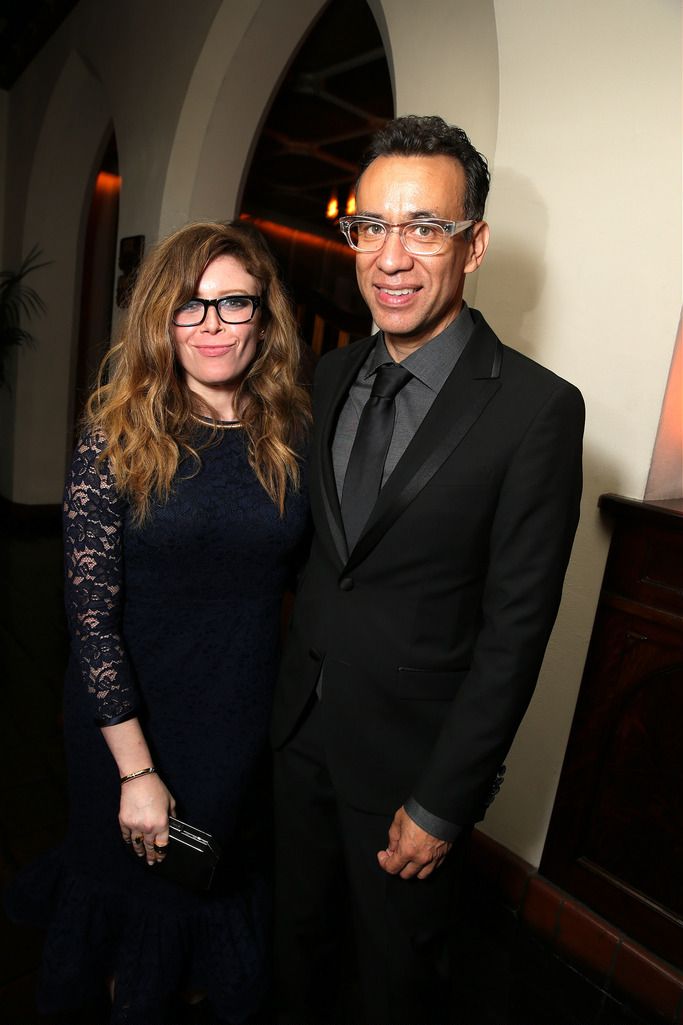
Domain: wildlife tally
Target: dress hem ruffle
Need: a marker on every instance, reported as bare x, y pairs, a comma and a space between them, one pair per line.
153, 951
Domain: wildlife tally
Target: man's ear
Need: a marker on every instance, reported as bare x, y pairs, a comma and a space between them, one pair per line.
478, 246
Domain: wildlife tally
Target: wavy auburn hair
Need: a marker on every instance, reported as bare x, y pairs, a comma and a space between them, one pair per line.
142, 404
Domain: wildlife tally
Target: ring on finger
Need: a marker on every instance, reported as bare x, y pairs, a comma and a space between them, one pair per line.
137, 839
160, 848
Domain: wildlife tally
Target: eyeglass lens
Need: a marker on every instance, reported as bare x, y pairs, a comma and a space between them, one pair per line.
233, 309
416, 236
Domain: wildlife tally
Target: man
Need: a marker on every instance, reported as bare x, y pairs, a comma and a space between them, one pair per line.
423, 614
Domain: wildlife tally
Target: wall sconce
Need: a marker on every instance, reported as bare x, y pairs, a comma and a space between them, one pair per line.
106, 182
332, 211
351, 203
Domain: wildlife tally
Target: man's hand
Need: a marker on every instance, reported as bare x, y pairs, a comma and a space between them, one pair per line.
411, 851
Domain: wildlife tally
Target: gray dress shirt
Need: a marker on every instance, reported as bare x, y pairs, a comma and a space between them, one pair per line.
430, 365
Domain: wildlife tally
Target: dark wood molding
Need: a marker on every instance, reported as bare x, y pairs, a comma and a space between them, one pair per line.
616, 832
588, 942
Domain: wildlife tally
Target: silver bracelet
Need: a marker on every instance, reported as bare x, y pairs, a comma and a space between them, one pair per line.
134, 775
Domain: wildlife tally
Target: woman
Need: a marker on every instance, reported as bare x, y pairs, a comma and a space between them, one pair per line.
184, 517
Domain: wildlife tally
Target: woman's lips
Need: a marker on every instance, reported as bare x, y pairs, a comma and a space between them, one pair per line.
213, 350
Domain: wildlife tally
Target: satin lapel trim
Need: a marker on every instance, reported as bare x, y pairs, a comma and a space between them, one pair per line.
437, 437
328, 492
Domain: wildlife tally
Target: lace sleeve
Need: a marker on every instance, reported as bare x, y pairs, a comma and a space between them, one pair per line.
93, 522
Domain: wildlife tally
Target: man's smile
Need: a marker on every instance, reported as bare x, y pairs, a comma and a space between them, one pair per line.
397, 291
387, 296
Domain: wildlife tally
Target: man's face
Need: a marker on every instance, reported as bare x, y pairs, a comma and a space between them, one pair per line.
413, 298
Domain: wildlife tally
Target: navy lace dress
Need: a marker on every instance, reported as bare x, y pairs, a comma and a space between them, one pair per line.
178, 620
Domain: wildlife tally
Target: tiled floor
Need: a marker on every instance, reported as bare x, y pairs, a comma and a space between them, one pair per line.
506, 976
511, 977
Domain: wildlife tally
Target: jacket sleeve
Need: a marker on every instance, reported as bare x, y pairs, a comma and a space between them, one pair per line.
530, 543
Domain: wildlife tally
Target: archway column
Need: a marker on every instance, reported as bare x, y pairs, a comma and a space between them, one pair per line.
75, 125
222, 116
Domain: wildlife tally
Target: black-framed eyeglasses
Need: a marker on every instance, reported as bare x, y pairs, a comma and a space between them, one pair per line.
231, 309
419, 237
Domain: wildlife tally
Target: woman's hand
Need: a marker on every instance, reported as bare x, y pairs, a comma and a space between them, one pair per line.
145, 801
143, 816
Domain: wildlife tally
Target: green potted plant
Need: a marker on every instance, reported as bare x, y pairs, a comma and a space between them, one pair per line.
18, 300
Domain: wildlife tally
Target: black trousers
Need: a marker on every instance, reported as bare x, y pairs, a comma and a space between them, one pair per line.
327, 876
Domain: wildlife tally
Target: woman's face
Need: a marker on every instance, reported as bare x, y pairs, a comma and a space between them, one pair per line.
214, 355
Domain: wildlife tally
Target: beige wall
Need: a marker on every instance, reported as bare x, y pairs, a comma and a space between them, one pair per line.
459, 77
578, 106
584, 274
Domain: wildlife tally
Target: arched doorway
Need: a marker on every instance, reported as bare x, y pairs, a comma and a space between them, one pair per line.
97, 283
302, 175
77, 111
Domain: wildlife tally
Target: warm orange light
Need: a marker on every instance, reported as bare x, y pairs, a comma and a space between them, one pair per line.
351, 203
665, 479
332, 206
295, 237
107, 182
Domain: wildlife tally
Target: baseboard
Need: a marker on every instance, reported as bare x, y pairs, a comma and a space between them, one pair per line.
586, 941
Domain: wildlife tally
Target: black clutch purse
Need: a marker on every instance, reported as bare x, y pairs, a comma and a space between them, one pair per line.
191, 856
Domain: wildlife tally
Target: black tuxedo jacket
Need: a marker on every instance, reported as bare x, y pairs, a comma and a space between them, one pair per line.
432, 630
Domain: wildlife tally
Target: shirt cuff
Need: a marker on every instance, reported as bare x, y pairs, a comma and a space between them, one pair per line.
442, 829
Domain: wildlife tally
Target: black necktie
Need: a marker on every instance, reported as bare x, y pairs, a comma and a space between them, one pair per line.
363, 478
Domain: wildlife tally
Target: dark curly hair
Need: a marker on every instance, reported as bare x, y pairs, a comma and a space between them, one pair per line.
430, 135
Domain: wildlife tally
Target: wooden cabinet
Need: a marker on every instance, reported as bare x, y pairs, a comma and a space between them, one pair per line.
616, 835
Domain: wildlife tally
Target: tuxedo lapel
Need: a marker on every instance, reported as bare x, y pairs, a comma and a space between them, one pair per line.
332, 401
465, 394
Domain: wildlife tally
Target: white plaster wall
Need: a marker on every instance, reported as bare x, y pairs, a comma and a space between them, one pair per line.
444, 59
584, 274
192, 132
145, 54
222, 114
458, 80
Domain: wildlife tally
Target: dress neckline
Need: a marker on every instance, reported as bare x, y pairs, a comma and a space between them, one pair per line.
222, 425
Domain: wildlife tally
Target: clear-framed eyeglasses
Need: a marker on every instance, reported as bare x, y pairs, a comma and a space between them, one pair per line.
419, 237
231, 309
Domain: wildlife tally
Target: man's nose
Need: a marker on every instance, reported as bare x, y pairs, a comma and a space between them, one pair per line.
393, 255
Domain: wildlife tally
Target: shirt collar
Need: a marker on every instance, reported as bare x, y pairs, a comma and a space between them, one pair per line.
433, 361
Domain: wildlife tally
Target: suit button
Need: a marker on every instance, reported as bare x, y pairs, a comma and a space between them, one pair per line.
315, 655
346, 584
